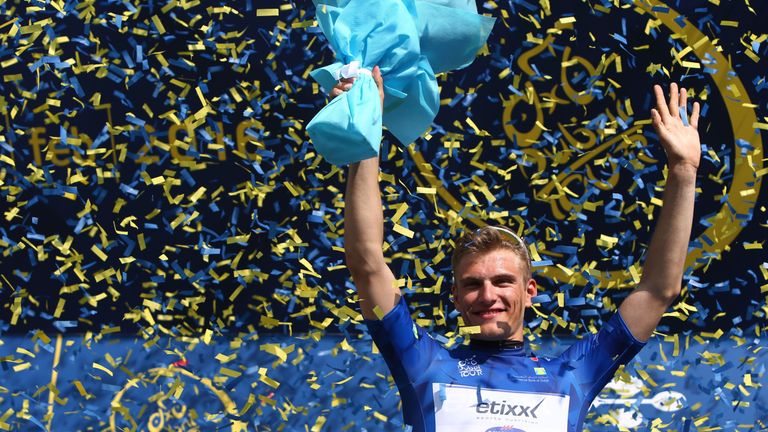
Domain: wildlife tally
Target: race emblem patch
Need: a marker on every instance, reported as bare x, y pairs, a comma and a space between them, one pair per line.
469, 367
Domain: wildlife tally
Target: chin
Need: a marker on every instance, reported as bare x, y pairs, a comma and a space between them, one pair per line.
494, 330
490, 338
491, 334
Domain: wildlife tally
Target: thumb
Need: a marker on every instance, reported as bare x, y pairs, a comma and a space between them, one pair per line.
377, 77
379, 80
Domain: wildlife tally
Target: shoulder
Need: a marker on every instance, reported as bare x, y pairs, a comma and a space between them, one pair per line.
398, 328
613, 339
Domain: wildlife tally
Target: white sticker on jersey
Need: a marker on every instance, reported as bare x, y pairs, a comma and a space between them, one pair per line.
457, 409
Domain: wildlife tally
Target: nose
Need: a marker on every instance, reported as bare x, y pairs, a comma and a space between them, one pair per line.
487, 293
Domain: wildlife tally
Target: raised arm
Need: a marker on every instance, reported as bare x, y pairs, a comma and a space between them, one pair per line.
364, 230
662, 276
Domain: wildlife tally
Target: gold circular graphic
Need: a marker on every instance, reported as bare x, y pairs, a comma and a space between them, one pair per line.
528, 107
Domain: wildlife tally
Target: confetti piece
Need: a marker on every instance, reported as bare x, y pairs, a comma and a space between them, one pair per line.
467, 330
268, 12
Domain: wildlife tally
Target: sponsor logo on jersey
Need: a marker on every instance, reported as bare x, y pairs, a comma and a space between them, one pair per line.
469, 367
507, 409
460, 408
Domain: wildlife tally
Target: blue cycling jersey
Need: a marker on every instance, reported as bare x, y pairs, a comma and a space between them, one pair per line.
489, 389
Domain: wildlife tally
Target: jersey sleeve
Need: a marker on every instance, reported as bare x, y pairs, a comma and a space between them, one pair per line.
405, 346
595, 359
407, 350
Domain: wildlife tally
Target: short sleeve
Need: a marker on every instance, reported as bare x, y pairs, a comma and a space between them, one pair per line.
400, 340
595, 359
408, 351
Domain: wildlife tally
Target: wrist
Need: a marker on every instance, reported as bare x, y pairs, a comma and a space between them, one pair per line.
683, 170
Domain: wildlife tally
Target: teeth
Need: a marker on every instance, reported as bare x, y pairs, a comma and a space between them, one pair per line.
490, 312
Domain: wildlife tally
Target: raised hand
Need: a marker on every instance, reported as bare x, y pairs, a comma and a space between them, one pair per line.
665, 259
678, 134
343, 85
346, 83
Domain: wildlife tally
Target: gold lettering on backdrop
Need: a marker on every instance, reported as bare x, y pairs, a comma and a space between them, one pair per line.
559, 191
143, 157
243, 138
156, 421
525, 108
183, 145
569, 69
189, 143
87, 142
54, 150
173, 416
219, 145
36, 141
586, 158
165, 409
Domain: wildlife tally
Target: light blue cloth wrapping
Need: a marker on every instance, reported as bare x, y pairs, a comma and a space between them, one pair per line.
410, 41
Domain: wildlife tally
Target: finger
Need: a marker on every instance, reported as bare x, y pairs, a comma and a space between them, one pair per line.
656, 120
695, 115
379, 80
377, 77
343, 86
674, 97
683, 102
347, 80
661, 102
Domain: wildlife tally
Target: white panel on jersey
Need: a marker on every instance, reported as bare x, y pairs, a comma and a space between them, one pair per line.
458, 409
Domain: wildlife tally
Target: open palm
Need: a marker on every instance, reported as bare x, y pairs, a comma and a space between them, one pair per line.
678, 134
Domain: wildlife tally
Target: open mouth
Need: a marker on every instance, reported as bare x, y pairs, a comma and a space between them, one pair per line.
487, 314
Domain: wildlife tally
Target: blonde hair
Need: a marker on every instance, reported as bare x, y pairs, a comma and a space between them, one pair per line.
491, 238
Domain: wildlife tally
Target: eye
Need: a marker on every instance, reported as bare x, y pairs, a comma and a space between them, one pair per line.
505, 282
471, 284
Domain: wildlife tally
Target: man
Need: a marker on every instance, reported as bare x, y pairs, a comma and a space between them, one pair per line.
491, 384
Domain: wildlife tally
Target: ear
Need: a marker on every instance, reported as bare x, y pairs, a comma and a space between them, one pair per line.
455, 297
530, 291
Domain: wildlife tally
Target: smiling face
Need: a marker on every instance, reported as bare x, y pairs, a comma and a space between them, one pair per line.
491, 291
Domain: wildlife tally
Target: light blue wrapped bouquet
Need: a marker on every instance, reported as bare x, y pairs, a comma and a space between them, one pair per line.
410, 41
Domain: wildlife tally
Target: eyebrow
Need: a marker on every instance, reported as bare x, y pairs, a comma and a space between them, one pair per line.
470, 279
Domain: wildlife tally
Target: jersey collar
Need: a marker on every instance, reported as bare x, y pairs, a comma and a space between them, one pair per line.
497, 345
